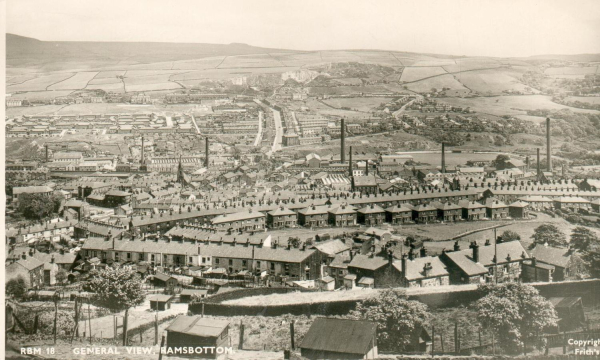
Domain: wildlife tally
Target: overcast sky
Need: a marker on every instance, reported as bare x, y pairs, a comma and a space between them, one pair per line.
462, 27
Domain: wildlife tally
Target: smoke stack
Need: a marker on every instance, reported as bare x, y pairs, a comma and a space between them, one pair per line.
367, 167
46, 152
527, 163
403, 265
548, 146
538, 164
142, 161
206, 152
350, 163
343, 141
443, 158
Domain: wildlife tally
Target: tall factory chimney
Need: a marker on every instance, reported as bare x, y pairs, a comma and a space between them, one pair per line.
548, 146
367, 167
206, 152
46, 152
142, 160
539, 174
343, 142
350, 163
443, 158
527, 162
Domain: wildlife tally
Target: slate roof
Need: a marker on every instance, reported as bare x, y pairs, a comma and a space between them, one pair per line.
30, 263
551, 255
340, 336
31, 190
332, 247
375, 209
464, 258
238, 216
198, 326
281, 212
369, 263
414, 268
160, 298
280, 254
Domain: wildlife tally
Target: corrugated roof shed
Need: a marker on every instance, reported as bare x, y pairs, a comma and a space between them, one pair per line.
340, 335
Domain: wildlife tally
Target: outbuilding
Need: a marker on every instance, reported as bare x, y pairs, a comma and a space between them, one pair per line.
160, 302
330, 338
196, 331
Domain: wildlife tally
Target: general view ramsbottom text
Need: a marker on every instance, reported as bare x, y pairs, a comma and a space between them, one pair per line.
206, 350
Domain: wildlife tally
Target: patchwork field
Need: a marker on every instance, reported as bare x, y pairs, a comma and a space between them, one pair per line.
109, 74
76, 82
39, 83
471, 64
437, 82
34, 95
492, 81
413, 73
571, 72
250, 61
510, 105
584, 99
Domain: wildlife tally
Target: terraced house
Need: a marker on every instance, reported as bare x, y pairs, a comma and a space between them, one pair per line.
296, 264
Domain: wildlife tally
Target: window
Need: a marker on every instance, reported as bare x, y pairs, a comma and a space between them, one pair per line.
244, 263
258, 264
273, 266
128, 256
190, 259
230, 262
152, 257
217, 261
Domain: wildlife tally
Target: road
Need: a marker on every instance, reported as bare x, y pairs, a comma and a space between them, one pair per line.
399, 112
260, 129
278, 131
194, 122
140, 315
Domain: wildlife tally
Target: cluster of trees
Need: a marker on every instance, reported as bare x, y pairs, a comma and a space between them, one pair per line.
39, 206
585, 241
515, 313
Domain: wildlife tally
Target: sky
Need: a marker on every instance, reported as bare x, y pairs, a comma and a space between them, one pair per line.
507, 28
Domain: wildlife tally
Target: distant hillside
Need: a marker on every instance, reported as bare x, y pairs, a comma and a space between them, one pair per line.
27, 52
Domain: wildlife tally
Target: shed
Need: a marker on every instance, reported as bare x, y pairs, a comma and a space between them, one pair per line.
570, 312
187, 294
350, 281
196, 331
160, 302
366, 282
327, 283
164, 280
330, 338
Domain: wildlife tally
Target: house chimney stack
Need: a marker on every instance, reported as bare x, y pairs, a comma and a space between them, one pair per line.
548, 146
206, 152
443, 158
456, 246
475, 248
343, 142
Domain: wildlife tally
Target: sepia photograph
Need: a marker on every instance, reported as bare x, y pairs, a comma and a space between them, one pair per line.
301, 180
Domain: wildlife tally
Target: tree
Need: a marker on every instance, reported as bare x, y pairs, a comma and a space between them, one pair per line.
510, 235
516, 314
549, 233
583, 238
501, 160
397, 318
117, 289
61, 276
35, 206
16, 287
